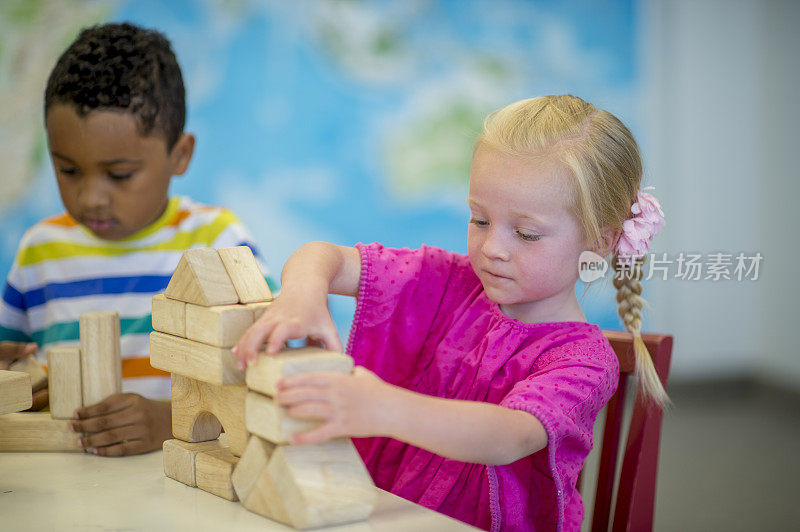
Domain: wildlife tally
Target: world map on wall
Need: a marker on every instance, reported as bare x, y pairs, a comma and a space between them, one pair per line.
343, 121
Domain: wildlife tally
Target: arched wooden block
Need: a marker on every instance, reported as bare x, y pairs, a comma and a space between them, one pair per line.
200, 410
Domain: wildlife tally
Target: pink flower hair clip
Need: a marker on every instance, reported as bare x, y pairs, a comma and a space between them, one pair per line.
637, 231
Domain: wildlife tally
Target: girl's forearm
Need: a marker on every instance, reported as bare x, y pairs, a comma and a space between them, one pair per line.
319, 268
468, 431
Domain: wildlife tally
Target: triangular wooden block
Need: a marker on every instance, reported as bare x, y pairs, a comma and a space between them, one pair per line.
247, 278
319, 485
253, 461
201, 278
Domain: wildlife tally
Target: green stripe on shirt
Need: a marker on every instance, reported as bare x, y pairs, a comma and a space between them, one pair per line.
69, 331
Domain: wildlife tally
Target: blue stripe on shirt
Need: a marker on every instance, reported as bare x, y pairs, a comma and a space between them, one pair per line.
87, 287
13, 297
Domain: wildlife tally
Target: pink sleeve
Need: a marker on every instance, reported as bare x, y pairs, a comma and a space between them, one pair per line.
400, 294
565, 393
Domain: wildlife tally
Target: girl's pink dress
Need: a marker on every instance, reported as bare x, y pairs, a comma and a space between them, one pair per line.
423, 322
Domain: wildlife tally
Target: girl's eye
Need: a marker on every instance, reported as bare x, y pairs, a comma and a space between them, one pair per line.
478, 222
528, 237
68, 171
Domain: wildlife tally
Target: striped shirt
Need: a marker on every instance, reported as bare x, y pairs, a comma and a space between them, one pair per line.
62, 270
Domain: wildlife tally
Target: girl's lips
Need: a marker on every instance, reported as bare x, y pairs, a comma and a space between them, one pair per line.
496, 276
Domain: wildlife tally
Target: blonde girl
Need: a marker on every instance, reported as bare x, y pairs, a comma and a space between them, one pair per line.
478, 379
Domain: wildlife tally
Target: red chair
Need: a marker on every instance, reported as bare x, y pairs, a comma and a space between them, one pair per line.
636, 491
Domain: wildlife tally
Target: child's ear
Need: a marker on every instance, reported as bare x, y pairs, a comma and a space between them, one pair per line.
608, 240
181, 153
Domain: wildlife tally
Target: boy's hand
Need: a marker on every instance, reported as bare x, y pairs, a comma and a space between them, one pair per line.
123, 424
288, 317
11, 351
348, 405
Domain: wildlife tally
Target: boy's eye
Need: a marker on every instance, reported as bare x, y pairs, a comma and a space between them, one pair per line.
120, 176
478, 222
528, 237
68, 171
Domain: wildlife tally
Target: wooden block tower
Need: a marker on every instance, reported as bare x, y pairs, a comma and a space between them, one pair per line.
78, 375
212, 298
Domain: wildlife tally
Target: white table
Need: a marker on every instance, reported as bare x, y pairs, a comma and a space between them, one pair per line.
76, 491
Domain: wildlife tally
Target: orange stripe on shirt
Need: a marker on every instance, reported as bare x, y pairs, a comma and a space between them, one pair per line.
179, 217
61, 219
140, 367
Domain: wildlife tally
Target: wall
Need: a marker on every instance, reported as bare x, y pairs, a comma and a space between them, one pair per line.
721, 125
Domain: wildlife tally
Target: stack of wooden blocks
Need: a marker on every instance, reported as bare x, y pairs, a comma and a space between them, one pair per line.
212, 298
78, 376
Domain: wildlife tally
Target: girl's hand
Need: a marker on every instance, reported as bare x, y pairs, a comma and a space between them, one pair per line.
289, 317
12, 351
348, 405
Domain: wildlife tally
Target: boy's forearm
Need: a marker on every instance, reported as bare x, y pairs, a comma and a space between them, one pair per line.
319, 268
468, 431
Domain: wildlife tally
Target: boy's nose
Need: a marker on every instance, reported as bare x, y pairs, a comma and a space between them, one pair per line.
93, 195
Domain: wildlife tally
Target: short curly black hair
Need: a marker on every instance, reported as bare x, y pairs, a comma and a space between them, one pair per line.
122, 66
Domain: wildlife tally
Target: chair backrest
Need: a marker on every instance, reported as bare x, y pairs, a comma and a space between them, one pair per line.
636, 491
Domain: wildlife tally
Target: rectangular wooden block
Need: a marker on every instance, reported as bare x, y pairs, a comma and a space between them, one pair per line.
36, 431
251, 464
249, 282
32, 367
270, 421
101, 362
213, 470
197, 360
15, 391
180, 456
201, 278
258, 308
169, 315
66, 392
200, 410
269, 369
321, 485
220, 326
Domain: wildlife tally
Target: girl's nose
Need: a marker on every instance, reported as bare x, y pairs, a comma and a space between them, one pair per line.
494, 248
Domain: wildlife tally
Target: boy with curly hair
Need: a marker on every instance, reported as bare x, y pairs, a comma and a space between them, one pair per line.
114, 113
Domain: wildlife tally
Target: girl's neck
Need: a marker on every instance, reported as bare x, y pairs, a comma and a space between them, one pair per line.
557, 308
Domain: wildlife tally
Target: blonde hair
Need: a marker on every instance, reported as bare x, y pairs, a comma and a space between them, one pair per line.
603, 157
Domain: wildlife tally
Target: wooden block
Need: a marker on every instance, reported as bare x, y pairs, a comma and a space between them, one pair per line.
249, 282
258, 308
66, 392
220, 326
267, 419
269, 369
36, 431
179, 458
15, 391
32, 367
253, 461
200, 410
315, 485
216, 365
101, 362
200, 278
169, 315
213, 470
